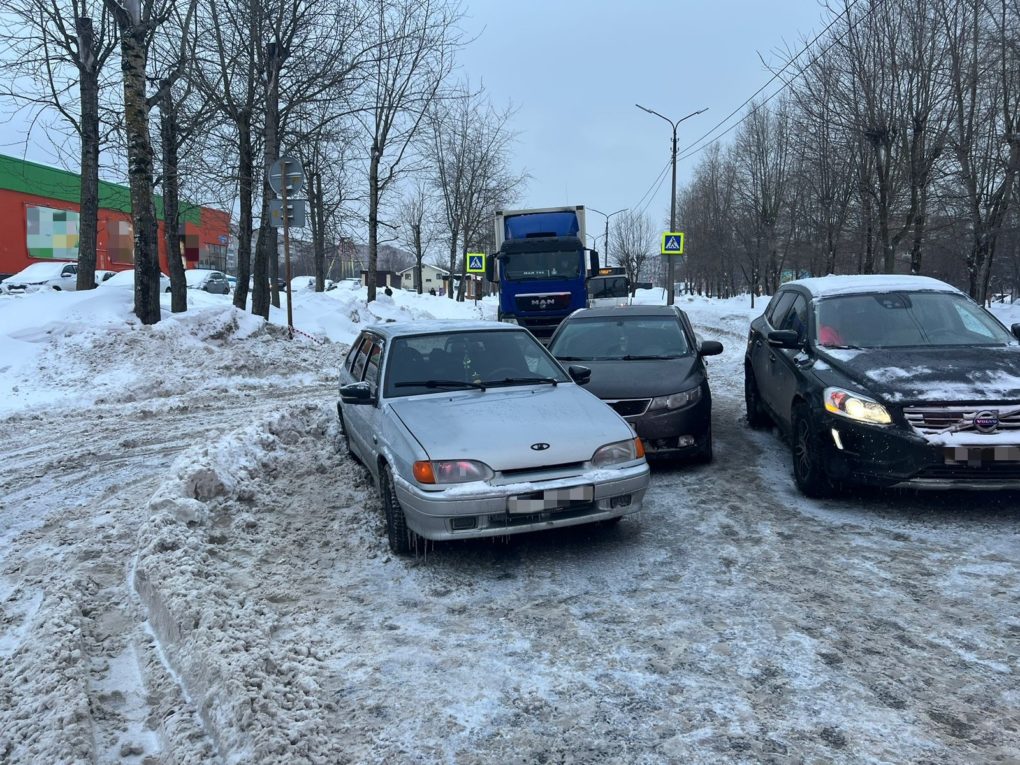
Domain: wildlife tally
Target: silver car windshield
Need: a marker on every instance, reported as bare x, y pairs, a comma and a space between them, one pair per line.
478, 359
607, 338
905, 320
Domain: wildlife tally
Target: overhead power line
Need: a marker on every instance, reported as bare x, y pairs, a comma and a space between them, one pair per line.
656, 184
690, 150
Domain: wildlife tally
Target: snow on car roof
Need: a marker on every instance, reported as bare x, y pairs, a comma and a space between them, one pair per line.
396, 329
827, 286
40, 271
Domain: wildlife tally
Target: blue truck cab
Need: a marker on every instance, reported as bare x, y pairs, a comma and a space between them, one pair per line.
542, 266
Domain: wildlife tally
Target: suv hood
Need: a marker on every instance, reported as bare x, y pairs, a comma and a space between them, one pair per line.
498, 426
906, 375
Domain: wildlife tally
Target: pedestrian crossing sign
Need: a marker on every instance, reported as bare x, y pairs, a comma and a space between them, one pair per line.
673, 243
476, 262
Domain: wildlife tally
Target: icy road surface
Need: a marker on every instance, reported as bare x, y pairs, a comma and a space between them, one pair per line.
205, 578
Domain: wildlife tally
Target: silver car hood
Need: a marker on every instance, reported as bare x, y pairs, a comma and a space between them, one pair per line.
498, 426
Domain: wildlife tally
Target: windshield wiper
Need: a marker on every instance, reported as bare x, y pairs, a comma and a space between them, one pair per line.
630, 357
440, 384
842, 347
574, 358
523, 381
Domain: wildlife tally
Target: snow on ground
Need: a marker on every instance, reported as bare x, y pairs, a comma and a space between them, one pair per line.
191, 571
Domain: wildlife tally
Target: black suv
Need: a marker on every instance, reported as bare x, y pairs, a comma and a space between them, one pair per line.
887, 380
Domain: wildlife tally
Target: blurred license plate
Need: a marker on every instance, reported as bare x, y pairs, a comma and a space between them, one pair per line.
978, 455
551, 499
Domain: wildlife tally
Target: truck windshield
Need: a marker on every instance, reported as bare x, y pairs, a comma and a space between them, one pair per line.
525, 266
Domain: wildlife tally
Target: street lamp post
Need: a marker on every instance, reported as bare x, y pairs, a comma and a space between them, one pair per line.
607, 217
672, 199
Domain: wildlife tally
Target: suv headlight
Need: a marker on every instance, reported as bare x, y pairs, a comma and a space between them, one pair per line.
619, 452
677, 400
451, 471
854, 406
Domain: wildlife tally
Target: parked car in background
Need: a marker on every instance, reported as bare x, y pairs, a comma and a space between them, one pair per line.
102, 276
646, 363
887, 381
127, 279
471, 429
57, 275
208, 280
232, 281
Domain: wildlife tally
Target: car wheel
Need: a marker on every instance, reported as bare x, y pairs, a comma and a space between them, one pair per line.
400, 537
756, 415
808, 470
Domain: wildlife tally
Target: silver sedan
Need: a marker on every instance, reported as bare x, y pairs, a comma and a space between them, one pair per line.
471, 429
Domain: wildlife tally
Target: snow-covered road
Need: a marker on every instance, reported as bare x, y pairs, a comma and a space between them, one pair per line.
204, 577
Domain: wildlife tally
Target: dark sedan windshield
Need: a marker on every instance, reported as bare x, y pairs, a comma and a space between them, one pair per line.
905, 320
478, 359
523, 266
620, 337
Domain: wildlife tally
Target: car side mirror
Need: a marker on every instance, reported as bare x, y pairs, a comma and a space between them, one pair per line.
784, 338
710, 348
1016, 331
593, 261
580, 375
356, 393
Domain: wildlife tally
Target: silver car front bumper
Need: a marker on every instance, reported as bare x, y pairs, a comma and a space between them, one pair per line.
448, 513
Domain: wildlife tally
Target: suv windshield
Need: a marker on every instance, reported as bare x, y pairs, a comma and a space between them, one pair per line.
477, 359
620, 337
905, 320
523, 266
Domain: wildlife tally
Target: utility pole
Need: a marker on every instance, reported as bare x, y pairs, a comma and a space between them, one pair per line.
607, 217
672, 199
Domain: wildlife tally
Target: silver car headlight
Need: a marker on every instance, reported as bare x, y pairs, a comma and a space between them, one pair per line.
451, 471
618, 452
677, 400
854, 406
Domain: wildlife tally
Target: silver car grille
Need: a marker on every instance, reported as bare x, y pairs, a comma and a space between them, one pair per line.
930, 420
629, 407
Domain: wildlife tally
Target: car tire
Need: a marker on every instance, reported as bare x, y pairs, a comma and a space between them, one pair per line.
756, 415
401, 539
808, 468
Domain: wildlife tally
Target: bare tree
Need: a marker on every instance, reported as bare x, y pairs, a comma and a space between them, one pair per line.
50, 43
985, 135
416, 40
470, 152
634, 242
138, 21
418, 231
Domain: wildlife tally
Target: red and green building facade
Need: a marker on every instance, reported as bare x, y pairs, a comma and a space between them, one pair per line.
39, 220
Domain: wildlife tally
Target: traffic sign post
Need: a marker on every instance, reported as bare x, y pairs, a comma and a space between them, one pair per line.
672, 243
287, 177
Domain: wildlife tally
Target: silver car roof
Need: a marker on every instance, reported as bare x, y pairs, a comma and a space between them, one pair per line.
432, 326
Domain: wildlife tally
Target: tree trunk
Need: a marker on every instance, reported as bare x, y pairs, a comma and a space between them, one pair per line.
171, 203
143, 211
245, 173
260, 294
453, 266
318, 218
373, 223
88, 210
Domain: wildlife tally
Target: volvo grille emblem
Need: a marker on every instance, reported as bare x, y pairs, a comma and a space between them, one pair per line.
540, 447
986, 422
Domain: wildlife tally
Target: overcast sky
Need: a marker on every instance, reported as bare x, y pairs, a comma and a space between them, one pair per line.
575, 70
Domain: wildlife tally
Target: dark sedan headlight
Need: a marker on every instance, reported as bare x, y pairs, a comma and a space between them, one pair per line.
676, 400
854, 406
